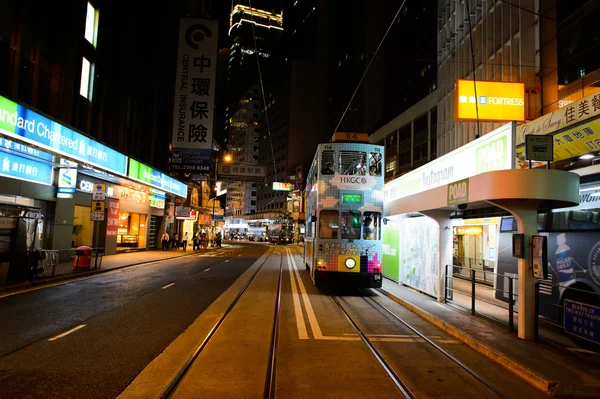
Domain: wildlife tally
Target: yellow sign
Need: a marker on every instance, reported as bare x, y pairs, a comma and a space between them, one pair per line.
496, 101
343, 136
569, 143
469, 230
97, 206
482, 221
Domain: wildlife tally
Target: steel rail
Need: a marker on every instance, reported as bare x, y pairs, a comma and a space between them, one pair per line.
439, 348
400, 384
176, 380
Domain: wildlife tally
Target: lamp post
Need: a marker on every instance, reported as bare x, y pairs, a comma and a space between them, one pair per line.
226, 158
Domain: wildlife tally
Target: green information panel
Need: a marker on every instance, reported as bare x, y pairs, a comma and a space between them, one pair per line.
352, 198
391, 251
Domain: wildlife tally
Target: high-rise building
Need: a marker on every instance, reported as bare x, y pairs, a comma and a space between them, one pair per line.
254, 56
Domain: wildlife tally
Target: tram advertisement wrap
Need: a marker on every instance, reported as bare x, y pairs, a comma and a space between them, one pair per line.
391, 251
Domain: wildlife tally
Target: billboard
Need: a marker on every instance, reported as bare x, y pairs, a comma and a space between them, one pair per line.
242, 173
495, 101
194, 95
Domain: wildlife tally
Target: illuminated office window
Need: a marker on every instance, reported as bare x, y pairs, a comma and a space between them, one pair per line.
84, 88
91, 24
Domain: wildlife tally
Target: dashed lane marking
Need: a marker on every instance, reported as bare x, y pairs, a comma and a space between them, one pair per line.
168, 285
59, 336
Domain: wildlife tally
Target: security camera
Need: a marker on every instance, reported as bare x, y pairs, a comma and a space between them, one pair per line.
385, 220
462, 207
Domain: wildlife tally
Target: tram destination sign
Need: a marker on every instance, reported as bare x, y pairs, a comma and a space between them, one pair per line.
350, 198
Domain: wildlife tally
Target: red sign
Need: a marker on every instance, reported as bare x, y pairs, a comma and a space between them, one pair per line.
112, 221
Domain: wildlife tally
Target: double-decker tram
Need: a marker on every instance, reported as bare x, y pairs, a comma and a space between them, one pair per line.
344, 204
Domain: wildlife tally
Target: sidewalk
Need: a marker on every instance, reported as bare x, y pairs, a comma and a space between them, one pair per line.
554, 370
110, 262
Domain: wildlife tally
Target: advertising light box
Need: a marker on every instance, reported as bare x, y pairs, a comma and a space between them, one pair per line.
494, 101
21, 168
493, 151
154, 178
29, 126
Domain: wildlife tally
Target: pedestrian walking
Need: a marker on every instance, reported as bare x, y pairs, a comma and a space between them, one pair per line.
218, 239
165, 241
185, 241
175, 241
196, 241
203, 241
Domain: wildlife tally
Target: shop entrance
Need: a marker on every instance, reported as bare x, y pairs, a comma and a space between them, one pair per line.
132, 230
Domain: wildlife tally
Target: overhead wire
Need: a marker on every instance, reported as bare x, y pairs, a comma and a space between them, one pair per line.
368, 66
264, 98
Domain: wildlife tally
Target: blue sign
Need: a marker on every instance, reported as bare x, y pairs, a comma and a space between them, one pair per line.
21, 168
582, 320
22, 148
29, 126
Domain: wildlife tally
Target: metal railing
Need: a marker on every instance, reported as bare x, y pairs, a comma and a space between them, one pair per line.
484, 268
460, 273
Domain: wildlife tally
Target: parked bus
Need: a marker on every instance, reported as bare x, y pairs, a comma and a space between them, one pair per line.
573, 256
344, 204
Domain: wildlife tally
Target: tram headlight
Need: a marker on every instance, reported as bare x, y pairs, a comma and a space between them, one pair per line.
350, 263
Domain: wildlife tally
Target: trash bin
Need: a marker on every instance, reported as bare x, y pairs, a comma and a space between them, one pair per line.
83, 258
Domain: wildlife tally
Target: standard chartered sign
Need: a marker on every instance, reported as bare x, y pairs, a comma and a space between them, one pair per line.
494, 151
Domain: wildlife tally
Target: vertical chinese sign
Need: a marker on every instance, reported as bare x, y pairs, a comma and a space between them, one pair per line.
194, 95
112, 221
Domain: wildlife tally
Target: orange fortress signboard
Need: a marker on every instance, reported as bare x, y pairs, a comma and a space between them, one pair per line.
497, 101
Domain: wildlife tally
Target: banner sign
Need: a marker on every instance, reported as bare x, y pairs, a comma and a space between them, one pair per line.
243, 173
154, 178
112, 220
574, 113
21, 168
26, 150
494, 151
31, 127
194, 94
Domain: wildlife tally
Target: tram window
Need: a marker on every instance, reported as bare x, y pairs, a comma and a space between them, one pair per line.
328, 224
371, 225
375, 159
327, 158
353, 163
350, 225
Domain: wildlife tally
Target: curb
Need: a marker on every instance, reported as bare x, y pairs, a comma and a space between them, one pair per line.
16, 289
549, 387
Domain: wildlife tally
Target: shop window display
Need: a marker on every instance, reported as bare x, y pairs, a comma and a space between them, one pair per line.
132, 230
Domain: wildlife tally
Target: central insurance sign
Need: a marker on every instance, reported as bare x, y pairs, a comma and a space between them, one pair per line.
494, 101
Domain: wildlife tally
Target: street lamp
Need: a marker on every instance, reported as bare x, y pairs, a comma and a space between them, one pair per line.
226, 158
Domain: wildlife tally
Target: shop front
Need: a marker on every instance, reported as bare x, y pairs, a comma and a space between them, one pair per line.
134, 215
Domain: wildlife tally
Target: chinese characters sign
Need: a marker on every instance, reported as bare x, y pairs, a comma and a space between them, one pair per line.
279, 186
582, 320
22, 148
492, 101
112, 221
244, 173
29, 126
154, 178
17, 167
194, 94
571, 114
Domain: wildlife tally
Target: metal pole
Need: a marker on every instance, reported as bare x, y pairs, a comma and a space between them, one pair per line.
536, 323
511, 302
446, 286
97, 238
472, 291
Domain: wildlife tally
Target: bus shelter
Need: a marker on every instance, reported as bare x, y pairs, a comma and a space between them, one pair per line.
522, 193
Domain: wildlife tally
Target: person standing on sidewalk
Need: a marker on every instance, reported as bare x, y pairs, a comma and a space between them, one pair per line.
185, 240
165, 241
175, 241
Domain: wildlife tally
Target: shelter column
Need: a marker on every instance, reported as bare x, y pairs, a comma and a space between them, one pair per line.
442, 217
525, 212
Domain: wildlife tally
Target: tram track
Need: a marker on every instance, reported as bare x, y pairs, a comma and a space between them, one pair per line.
271, 371
403, 387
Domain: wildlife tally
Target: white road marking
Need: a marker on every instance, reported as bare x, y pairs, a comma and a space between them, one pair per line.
79, 327
302, 333
314, 324
207, 269
167, 286
226, 260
